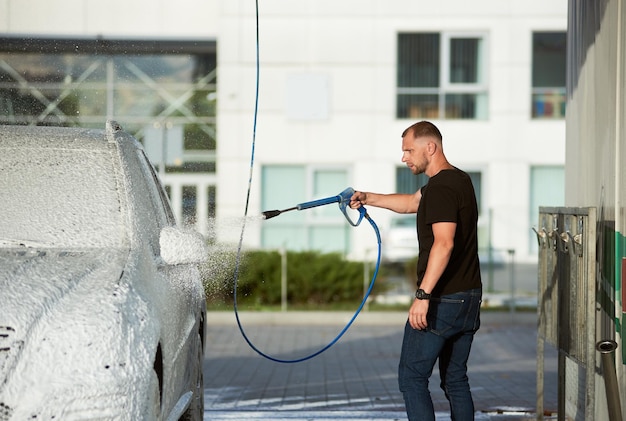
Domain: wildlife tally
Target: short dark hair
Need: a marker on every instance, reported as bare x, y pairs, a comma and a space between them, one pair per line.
423, 128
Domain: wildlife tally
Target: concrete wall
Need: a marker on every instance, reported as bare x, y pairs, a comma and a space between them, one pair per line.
596, 152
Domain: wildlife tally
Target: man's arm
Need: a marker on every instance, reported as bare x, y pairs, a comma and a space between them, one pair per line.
400, 203
438, 259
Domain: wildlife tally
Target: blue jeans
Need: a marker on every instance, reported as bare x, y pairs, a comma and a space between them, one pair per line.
452, 322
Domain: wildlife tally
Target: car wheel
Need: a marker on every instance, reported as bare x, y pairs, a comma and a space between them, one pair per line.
195, 412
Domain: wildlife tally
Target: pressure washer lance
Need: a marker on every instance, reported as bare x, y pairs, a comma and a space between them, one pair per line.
342, 198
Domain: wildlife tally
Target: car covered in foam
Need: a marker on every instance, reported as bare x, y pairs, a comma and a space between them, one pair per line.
102, 307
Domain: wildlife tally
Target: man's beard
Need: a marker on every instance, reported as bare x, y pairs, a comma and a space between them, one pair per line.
418, 169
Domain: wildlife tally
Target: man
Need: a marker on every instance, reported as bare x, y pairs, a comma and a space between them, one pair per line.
444, 316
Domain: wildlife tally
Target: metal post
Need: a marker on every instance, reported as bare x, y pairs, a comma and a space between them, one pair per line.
512, 281
540, 376
283, 279
163, 150
489, 254
607, 351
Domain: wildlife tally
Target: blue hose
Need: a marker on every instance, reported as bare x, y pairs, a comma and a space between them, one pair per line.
339, 335
317, 203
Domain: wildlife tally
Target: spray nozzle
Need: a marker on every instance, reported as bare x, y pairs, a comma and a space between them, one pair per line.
273, 213
353, 216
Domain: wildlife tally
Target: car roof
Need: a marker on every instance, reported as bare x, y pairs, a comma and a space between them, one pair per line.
96, 164
63, 137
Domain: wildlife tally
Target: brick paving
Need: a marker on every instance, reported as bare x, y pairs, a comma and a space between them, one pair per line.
357, 377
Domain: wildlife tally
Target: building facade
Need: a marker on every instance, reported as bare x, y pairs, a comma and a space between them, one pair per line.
338, 82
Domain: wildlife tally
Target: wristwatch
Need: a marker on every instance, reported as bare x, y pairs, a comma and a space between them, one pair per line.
420, 294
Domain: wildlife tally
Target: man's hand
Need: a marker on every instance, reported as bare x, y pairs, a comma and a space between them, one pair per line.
417, 314
358, 199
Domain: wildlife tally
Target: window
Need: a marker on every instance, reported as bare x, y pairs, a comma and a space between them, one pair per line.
549, 75
189, 204
441, 75
162, 195
156, 89
547, 188
322, 228
407, 182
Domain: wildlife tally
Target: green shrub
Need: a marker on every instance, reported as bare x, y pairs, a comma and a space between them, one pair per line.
313, 279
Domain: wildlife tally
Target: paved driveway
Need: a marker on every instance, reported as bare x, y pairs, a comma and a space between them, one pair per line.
356, 377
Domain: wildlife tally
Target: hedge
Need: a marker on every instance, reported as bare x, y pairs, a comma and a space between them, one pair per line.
313, 278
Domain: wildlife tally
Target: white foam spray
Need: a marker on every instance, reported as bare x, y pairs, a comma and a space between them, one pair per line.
218, 272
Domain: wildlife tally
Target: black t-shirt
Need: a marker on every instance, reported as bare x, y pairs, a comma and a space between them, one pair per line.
449, 197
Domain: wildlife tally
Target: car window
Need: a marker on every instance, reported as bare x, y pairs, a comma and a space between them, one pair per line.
162, 199
60, 198
151, 214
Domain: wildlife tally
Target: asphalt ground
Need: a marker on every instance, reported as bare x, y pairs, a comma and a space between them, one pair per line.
356, 378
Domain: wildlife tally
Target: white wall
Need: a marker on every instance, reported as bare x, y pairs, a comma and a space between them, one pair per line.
352, 43
113, 18
595, 174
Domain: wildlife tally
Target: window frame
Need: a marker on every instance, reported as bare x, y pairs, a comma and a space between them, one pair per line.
556, 92
446, 87
312, 220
